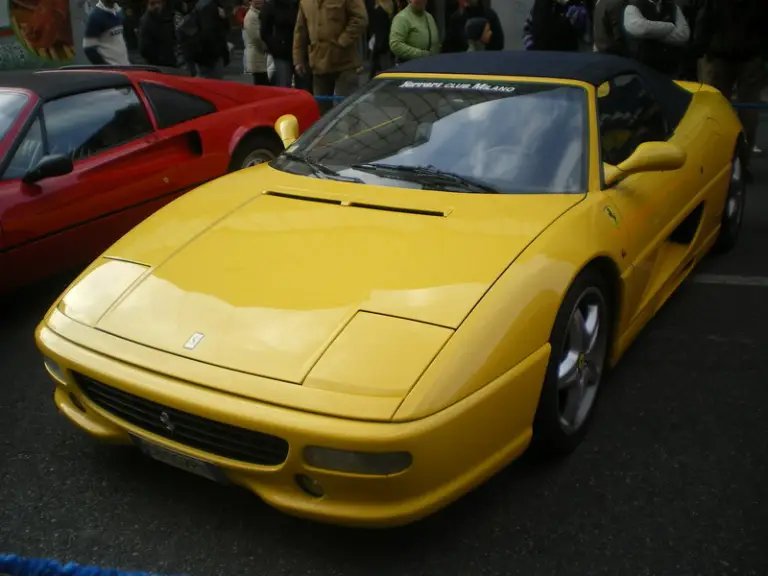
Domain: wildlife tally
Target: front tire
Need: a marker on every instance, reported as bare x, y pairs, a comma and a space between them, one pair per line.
733, 211
580, 342
253, 150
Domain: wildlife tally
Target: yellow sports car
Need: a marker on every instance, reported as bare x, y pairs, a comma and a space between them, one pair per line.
431, 279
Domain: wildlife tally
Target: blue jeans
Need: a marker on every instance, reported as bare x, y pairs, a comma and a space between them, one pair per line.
285, 77
283, 73
245, 53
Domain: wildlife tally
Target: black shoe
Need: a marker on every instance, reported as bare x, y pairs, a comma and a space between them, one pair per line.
749, 178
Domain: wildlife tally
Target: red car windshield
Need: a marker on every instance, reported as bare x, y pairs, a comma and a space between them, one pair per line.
11, 105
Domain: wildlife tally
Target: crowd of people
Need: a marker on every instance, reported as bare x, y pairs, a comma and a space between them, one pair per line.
315, 44
310, 45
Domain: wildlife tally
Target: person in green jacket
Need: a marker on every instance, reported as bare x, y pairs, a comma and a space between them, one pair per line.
414, 32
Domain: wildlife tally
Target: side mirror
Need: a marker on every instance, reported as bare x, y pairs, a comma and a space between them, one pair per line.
648, 157
49, 167
287, 127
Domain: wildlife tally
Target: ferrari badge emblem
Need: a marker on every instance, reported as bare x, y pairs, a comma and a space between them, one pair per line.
612, 215
165, 420
193, 341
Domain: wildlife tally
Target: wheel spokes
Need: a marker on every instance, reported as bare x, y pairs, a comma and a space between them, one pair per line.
582, 359
576, 332
736, 174
568, 371
573, 404
257, 157
591, 328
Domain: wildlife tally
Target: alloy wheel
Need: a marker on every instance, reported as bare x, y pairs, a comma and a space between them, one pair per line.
734, 205
582, 360
256, 157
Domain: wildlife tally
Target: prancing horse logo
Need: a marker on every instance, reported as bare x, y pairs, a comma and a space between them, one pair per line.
612, 215
165, 419
193, 341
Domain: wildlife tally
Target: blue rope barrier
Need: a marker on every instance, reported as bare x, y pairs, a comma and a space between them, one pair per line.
329, 98
13, 565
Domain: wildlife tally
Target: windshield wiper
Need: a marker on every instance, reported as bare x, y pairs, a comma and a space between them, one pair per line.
320, 170
429, 174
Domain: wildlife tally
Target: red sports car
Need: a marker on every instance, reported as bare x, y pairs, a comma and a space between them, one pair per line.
88, 153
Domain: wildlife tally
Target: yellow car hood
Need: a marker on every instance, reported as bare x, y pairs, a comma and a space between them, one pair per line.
270, 284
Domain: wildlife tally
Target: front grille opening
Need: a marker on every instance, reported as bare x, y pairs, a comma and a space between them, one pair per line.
190, 430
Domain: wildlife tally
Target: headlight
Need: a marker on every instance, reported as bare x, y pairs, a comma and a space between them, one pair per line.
371, 463
90, 297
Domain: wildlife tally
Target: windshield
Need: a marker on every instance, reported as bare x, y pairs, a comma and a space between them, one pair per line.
500, 137
11, 104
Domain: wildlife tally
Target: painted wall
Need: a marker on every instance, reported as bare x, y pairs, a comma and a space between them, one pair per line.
38, 33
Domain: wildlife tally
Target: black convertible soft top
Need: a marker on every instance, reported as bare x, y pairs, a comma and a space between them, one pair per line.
590, 67
49, 85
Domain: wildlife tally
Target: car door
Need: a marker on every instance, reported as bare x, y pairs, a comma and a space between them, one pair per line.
16, 107
187, 135
117, 181
648, 203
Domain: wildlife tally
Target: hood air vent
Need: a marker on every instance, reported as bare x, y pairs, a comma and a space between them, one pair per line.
353, 204
305, 198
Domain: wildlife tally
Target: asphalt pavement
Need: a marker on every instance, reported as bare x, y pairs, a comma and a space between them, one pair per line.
672, 479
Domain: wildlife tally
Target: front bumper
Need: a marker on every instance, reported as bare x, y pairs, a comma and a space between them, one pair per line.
453, 450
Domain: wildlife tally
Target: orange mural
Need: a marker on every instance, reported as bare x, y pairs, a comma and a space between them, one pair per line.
43, 27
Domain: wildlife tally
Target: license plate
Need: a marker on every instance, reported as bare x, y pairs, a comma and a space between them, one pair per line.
181, 461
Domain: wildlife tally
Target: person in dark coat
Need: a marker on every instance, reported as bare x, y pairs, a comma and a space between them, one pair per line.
380, 16
157, 36
181, 11
608, 30
455, 36
657, 34
556, 25
203, 35
278, 19
733, 35
693, 10
130, 27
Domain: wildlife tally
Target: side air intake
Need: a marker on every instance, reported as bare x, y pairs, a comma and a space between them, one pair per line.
353, 204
